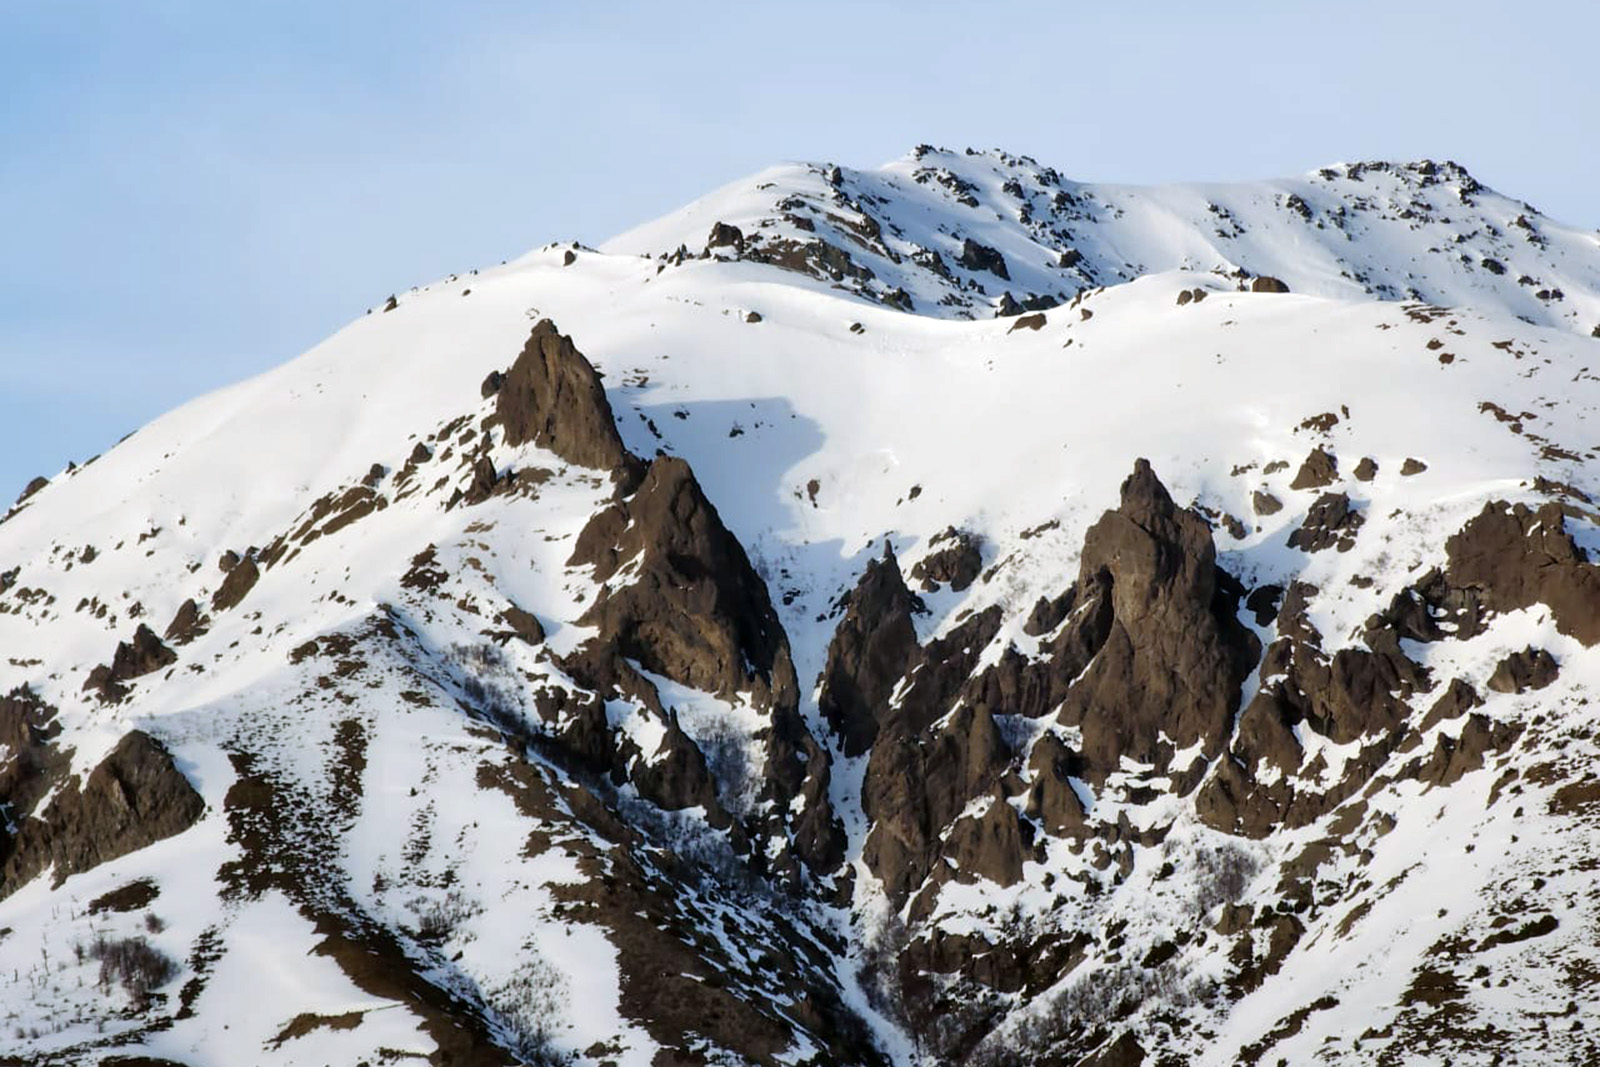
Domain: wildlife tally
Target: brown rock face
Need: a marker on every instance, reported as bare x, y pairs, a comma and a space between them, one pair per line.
1330, 523
552, 397
242, 578
1175, 655
33, 762
957, 563
134, 798
677, 777
873, 648
1532, 668
1266, 284
696, 612
144, 655
1510, 557
1051, 799
990, 845
915, 786
1319, 469
186, 624
724, 235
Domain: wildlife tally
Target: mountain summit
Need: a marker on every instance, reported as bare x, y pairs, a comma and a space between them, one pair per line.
940, 614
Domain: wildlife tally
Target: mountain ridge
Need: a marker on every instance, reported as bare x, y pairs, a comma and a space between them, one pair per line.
544, 651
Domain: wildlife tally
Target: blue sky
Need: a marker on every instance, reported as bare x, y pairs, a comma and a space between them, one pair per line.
192, 192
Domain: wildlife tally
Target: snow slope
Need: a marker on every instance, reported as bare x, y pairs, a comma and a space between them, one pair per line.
362, 743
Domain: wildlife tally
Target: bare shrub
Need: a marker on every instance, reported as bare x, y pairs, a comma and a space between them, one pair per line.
528, 1008
727, 752
1084, 1008
490, 682
698, 852
438, 919
1221, 873
134, 964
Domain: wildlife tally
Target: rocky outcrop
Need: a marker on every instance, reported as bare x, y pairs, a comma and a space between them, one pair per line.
724, 235
693, 608
1174, 655
186, 625
1512, 556
874, 646
1319, 469
241, 578
552, 397
145, 654
956, 561
1330, 523
916, 786
1532, 668
30, 760
133, 798
980, 257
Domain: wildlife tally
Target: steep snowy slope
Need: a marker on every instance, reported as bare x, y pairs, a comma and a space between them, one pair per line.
598, 660
964, 234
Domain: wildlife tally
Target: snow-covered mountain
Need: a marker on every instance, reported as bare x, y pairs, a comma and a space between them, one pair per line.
739, 645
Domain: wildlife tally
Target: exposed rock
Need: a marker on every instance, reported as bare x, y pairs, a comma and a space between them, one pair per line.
1034, 322
1051, 799
1532, 668
724, 235
1412, 466
1265, 503
186, 624
957, 564
524, 625
552, 397
990, 845
676, 776
31, 489
145, 654
695, 610
1454, 757
33, 762
1319, 469
915, 787
1457, 699
1263, 603
1330, 523
491, 385
242, 578
874, 646
1175, 655
1367, 469
133, 798
980, 257
1510, 557
1267, 284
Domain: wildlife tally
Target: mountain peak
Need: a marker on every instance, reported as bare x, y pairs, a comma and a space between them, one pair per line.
972, 234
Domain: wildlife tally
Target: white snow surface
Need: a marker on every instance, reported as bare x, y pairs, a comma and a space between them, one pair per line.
832, 423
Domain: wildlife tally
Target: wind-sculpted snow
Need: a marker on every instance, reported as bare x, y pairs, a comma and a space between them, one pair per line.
767, 656
973, 234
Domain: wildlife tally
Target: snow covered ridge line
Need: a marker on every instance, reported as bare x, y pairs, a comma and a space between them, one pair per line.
974, 234
549, 694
